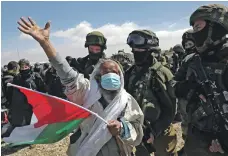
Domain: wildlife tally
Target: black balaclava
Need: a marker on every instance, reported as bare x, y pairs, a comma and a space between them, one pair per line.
218, 32
94, 57
37, 69
143, 58
201, 36
25, 73
191, 49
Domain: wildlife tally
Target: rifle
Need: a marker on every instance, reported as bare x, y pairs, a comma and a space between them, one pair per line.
212, 102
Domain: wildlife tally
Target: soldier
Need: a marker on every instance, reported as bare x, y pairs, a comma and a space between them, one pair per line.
177, 57
53, 83
149, 82
158, 55
125, 59
96, 44
188, 42
37, 67
13, 70
202, 80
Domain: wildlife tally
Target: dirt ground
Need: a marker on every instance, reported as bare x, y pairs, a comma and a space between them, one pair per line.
56, 149
59, 148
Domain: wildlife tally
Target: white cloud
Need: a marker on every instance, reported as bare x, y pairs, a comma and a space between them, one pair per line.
73, 40
174, 24
25, 37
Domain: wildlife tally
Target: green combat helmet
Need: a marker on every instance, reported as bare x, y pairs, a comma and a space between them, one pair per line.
215, 13
95, 38
148, 40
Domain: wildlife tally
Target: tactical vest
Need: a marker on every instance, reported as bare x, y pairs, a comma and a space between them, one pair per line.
83, 66
32, 82
141, 86
203, 117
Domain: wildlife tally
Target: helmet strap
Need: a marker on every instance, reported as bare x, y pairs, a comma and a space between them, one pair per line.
209, 42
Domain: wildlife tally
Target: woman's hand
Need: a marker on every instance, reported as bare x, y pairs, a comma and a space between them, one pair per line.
32, 29
40, 35
216, 147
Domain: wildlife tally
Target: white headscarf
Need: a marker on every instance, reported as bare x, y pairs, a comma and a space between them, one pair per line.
99, 134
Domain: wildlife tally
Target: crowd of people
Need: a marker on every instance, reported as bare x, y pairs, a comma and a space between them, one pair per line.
141, 94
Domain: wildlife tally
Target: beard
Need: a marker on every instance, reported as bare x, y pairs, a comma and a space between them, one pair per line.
109, 95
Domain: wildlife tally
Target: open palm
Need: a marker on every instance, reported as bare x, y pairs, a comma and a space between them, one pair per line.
32, 29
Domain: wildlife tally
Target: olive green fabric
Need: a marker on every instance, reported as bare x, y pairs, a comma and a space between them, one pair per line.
164, 74
217, 13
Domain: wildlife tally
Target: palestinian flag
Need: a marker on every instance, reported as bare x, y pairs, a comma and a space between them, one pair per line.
53, 119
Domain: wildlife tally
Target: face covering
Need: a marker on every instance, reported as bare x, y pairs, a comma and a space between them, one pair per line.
142, 58
218, 32
25, 73
201, 36
95, 56
191, 50
110, 81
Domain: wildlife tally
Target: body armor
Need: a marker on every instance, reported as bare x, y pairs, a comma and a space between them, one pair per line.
203, 117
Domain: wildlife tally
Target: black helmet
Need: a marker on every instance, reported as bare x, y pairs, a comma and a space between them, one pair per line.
178, 49
12, 65
187, 35
24, 62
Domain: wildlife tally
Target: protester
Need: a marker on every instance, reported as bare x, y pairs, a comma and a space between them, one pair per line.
103, 94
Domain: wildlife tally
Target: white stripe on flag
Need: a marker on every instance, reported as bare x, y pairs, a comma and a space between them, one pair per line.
24, 134
33, 119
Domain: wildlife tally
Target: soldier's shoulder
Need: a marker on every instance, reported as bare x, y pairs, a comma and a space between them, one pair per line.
167, 72
79, 61
163, 72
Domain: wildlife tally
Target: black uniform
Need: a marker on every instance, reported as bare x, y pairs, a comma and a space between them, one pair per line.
54, 85
21, 111
205, 126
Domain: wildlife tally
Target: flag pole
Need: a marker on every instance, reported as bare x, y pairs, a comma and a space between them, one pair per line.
13, 85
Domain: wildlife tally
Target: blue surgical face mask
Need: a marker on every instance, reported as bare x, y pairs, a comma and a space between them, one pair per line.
110, 81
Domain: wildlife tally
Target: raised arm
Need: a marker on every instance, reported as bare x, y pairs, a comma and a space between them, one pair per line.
76, 84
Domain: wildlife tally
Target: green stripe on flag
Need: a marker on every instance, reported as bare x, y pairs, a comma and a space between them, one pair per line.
54, 132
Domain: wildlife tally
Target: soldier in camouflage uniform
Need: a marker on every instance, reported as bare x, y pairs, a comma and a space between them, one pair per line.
158, 55
96, 44
202, 81
125, 59
150, 83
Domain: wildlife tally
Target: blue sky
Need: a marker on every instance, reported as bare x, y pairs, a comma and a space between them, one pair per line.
64, 15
